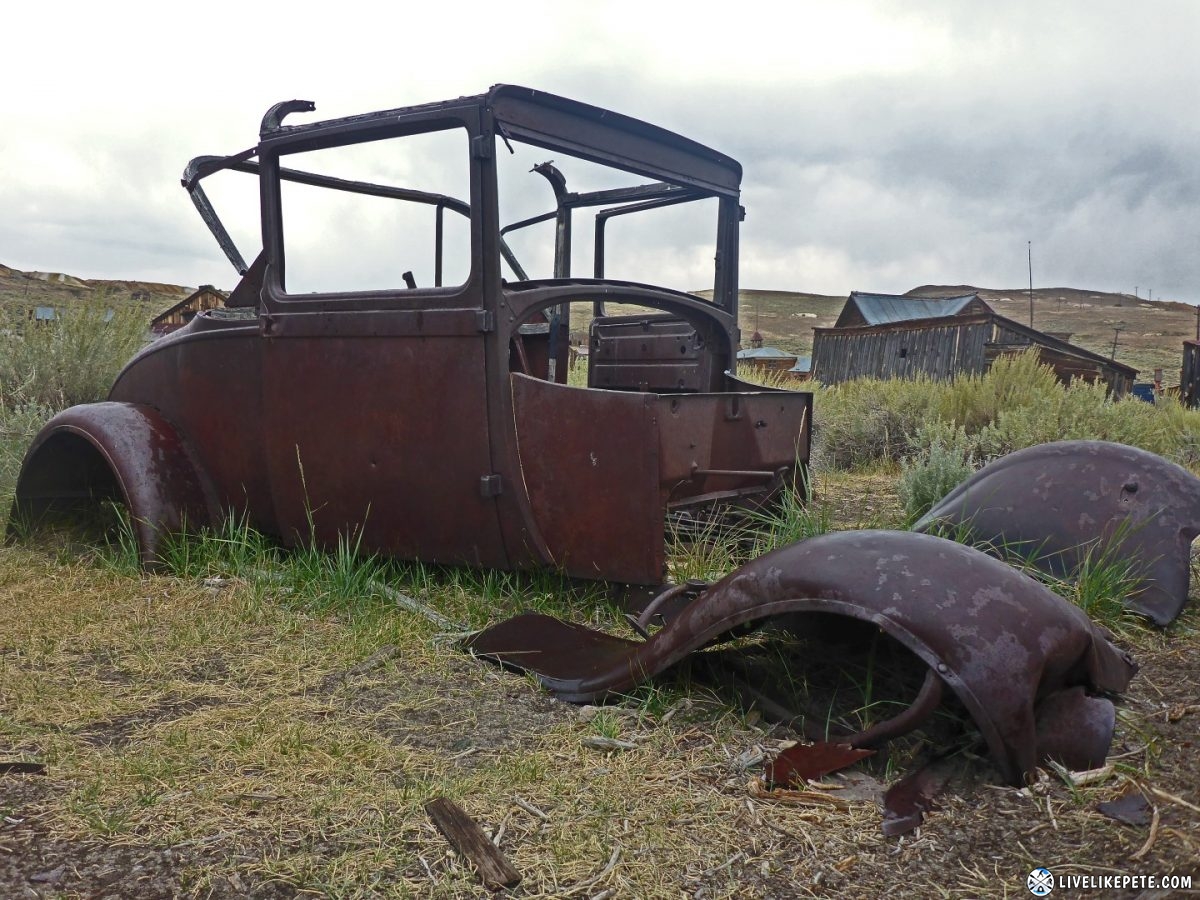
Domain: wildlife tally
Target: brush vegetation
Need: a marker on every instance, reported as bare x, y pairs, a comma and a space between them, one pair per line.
1016, 404
47, 367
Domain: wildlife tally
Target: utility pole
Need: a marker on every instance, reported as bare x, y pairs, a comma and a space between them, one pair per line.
1029, 252
1116, 332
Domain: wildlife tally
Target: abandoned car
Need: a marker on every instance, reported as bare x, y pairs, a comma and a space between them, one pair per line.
433, 419
429, 411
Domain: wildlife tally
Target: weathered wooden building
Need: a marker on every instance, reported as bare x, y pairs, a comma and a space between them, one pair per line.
766, 358
863, 310
962, 336
1189, 375
205, 297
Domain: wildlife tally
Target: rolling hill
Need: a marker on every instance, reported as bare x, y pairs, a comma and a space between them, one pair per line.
1149, 334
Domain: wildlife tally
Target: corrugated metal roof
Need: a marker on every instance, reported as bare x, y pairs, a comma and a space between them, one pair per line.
803, 364
882, 309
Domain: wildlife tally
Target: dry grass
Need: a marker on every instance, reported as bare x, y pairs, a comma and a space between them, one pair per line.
171, 714
237, 733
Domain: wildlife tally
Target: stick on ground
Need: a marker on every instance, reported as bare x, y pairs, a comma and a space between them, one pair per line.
465, 835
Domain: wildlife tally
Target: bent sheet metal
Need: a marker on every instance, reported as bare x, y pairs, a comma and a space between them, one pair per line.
1025, 663
1057, 503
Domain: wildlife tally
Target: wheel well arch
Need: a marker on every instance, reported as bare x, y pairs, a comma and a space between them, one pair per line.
114, 452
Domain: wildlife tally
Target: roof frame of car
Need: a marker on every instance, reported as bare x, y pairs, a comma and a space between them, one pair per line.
534, 117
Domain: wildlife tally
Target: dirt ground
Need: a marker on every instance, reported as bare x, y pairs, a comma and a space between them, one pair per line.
206, 740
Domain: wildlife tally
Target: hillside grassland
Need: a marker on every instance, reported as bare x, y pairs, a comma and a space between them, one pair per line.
261, 722
1150, 333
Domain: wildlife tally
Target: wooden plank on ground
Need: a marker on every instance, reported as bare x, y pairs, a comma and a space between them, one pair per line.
465, 835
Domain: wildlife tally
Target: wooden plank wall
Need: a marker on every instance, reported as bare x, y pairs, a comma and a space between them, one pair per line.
943, 348
1189, 379
939, 350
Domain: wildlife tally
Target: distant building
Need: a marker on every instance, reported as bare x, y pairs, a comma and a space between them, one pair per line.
205, 297
889, 336
863, 309
802, 370
40, 315
766, 358
1189, 376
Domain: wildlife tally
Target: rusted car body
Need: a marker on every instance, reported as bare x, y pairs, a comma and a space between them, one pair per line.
1064, 503
1029, 667
435, 421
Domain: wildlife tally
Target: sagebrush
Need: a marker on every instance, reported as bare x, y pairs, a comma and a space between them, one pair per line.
1016, 404
49, 366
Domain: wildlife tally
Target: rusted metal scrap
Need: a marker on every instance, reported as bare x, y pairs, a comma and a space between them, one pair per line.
1058, 502
1026, 664
1131, 808
801, 763
906, 802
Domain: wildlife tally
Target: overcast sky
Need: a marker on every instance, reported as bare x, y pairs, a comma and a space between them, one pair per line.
885, 145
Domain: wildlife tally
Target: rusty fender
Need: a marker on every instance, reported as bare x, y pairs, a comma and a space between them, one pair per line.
1026, 663
1056, 502
125, 452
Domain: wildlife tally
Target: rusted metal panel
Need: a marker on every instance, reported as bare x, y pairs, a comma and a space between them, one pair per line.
589, 464
649, 353
702, 436
386, 437
621, 461
127, 453
209, 376
1060, 502
1005, 644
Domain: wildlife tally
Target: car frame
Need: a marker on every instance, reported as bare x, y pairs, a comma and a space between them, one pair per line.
436, 423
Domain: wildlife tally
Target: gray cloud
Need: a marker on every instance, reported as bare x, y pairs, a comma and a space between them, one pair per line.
896, 147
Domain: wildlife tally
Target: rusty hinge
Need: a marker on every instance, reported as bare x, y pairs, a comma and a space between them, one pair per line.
485, 319
490, 486
483, 146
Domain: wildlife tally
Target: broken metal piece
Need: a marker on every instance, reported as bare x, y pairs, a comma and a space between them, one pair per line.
907, 801
1075, 730
801, 763
1059, 501
1005, 644
1130, 809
